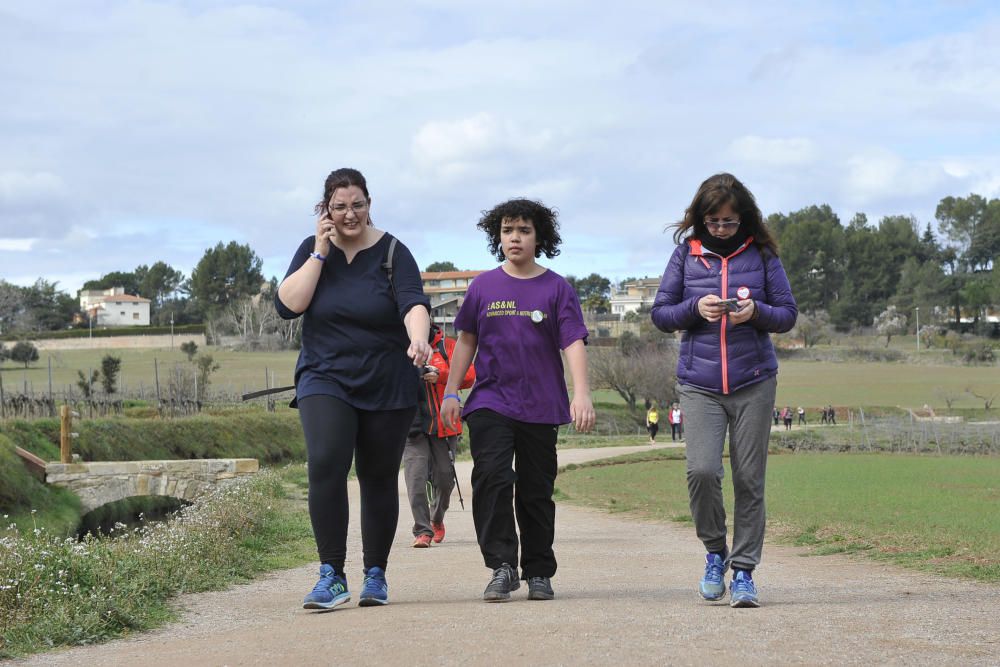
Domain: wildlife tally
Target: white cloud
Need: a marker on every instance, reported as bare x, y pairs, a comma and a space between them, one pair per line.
17, 245
789, 152
881, 174
453, 149
18, 187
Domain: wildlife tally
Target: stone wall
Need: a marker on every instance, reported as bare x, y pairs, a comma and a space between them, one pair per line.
99, 483
120, 342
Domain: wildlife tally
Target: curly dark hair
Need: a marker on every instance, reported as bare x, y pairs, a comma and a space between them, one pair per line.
541, 216
714, 193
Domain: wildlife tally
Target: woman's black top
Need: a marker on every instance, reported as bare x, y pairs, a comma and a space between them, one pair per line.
353, 339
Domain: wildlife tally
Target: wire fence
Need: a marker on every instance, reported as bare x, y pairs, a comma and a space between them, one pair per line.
902, 434
173, 390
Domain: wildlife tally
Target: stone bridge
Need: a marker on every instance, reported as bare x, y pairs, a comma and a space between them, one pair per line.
99, 483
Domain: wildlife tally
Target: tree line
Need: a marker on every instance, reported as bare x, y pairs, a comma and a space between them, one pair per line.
863, 274
856, 272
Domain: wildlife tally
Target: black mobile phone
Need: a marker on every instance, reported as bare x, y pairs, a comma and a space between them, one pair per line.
730, 304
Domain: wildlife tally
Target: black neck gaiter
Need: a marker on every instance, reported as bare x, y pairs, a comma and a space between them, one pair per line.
722, 247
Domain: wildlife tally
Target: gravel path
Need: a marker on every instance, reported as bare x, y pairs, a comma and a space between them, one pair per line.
625, 594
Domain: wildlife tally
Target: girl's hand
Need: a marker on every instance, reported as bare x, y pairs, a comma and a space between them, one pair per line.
747, 309
451, 411
420, 352
581, 410
325, 233
710, 308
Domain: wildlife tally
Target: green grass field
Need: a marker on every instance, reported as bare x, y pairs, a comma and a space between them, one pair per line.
814, 384
935, 513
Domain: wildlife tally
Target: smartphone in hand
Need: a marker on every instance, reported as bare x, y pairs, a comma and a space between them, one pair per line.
730, 304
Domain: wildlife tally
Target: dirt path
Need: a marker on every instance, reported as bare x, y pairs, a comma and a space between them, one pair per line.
626, 594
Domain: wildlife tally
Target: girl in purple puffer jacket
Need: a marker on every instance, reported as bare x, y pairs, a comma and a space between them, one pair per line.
725, 288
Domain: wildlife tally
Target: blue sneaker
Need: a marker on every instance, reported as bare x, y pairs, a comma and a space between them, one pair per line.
329, 591
742, 592
375, 590
712, 587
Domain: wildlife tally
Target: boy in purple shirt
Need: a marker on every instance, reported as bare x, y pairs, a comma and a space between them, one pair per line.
515, 319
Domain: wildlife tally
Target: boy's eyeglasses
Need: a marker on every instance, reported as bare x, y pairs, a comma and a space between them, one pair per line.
717, 223
341, 210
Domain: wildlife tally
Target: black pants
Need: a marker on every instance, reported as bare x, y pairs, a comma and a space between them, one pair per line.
334, 432
653, 429
499, 492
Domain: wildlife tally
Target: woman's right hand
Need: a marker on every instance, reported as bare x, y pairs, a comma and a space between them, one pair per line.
325, 233
710, 308
451, 412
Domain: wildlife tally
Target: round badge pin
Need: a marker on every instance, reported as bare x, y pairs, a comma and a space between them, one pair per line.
537, 317
743, 292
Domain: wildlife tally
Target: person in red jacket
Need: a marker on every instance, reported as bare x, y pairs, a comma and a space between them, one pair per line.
430, 449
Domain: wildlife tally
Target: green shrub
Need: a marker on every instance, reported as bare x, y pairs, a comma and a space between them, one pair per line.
875, 354
977, 352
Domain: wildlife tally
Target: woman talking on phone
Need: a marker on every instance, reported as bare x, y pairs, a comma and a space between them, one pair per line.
365, 326
725, 288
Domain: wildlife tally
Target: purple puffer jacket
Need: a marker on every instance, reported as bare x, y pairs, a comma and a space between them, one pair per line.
717, 356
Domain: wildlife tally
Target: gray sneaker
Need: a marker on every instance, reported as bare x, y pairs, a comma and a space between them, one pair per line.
503, 582
540, 588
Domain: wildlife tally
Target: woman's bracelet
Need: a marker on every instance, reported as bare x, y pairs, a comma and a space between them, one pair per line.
455, 396
318, 256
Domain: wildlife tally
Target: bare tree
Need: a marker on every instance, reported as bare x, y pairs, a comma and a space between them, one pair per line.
947, 395
255, 320
987, 400
643, 371
253, 317
612, 369
813, 327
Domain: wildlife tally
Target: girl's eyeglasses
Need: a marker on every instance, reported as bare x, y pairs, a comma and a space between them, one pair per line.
716, 223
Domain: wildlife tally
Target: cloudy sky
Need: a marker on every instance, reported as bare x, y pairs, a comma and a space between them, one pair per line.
132, 132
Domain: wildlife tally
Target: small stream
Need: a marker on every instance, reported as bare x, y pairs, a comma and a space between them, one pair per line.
132, 512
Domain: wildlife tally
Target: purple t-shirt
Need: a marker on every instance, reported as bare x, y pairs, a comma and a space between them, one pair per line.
521, 325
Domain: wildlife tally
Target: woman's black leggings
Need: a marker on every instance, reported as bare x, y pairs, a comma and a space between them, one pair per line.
334, 432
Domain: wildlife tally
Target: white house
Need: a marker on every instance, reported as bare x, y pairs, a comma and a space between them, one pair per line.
114, 308
633, 295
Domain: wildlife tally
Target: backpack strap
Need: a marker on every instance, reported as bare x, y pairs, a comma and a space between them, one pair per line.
444, 353
387, 264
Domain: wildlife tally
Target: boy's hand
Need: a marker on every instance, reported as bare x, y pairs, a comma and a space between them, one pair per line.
581, 410
451, 412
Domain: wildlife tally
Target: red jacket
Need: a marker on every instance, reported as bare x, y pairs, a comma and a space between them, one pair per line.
435, 392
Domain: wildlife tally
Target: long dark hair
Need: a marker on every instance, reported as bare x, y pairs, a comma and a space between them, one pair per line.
714, 193
342, 178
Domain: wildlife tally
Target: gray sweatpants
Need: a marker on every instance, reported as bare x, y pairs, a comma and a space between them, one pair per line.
427, 457
746, 416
